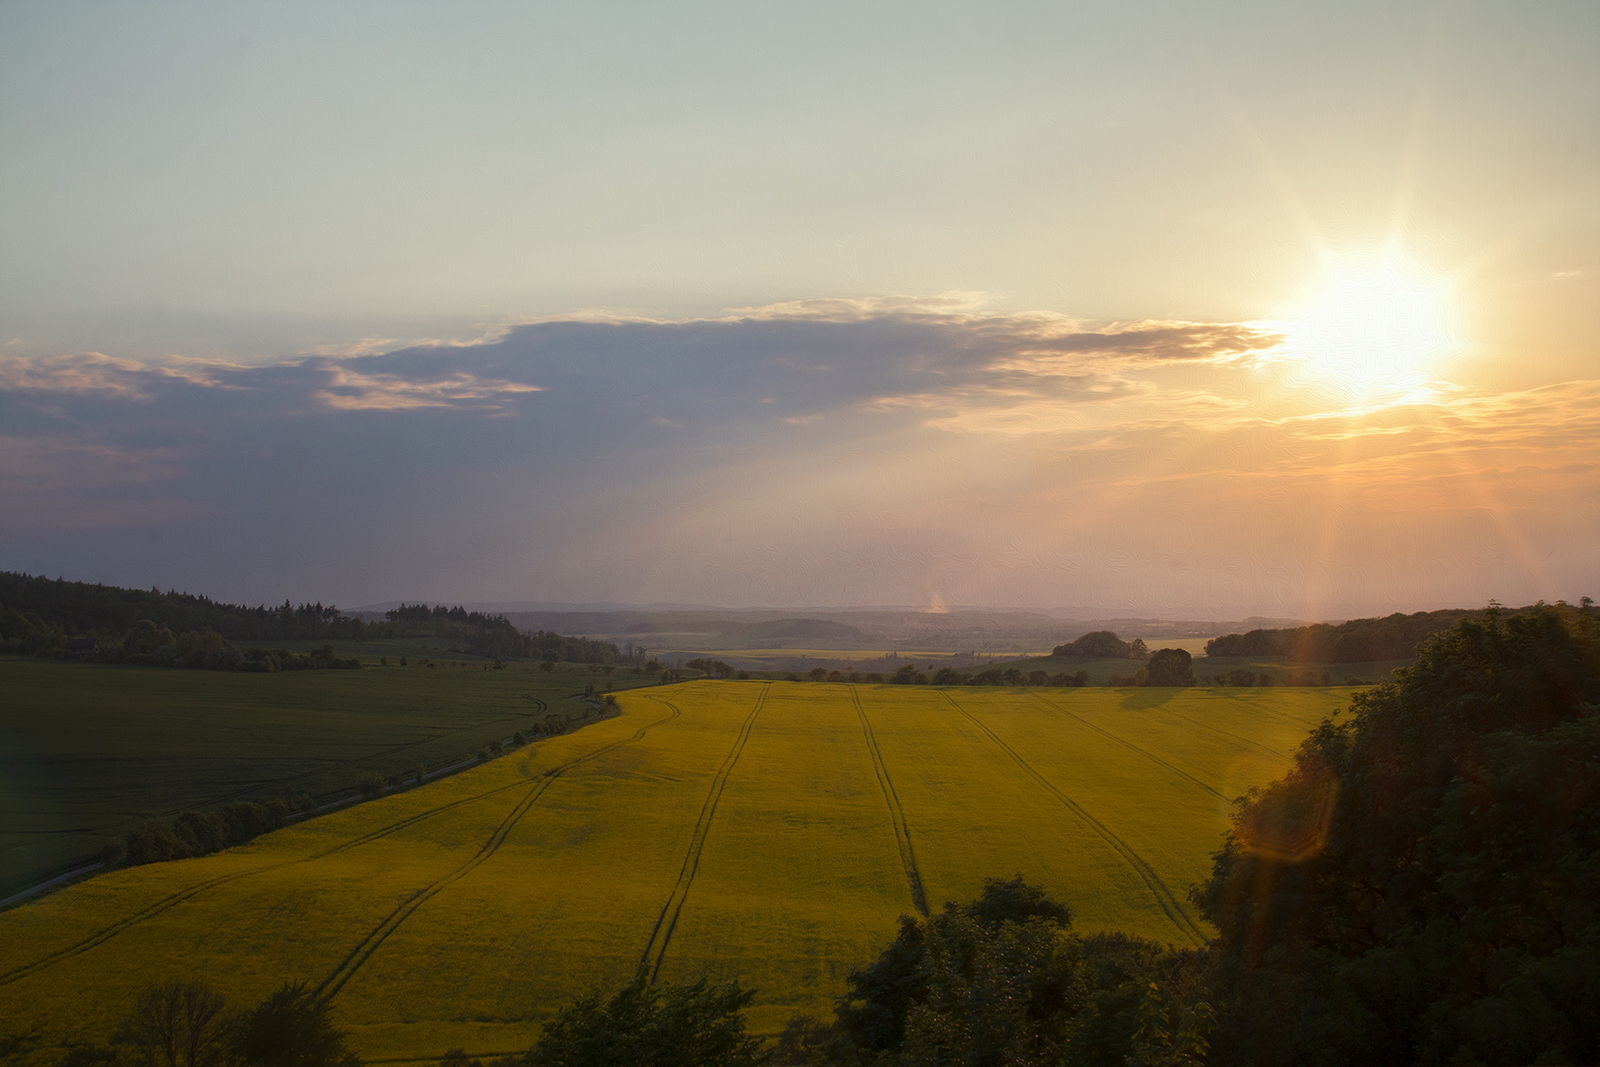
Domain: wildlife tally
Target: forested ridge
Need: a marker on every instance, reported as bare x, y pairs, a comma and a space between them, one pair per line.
40, 615
1357, 641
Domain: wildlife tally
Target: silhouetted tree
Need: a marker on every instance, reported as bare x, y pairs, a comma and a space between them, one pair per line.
652, 1026
1169, 666
177, 1024
292, 1028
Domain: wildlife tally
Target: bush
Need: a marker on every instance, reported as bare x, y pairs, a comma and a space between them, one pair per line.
292, 1028
370, 785
656, 1025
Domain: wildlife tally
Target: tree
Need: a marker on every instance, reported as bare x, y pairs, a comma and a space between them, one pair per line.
1102, 644
1424, 885
1004, 981
292, 1028
645, 1025
908, 675
177, 1024
1170, 666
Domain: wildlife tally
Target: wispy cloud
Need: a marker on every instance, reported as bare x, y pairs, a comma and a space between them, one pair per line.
351, 390
83, 372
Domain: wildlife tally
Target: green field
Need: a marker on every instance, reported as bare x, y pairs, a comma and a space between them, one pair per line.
767, 831
88, 751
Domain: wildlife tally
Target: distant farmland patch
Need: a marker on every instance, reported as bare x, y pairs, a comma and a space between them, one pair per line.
89, 750
767, 831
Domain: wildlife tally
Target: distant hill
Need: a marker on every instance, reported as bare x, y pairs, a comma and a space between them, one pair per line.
796, 629
40, 615
1357, 641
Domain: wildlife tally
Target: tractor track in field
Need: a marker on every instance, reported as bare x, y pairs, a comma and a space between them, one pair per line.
172, 900
897, 815
655, 950
1146, 753
1286, 720
1164, 897
370, 944
1229, 733
181, 896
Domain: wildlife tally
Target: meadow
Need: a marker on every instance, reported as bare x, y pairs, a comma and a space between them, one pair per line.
91, 750
766, 831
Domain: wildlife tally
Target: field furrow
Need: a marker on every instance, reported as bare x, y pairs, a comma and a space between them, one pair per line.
897, 815
661, 934
1174, 909
1146, 753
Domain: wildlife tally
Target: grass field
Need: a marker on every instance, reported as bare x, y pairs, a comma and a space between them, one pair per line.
87, 751
767, 831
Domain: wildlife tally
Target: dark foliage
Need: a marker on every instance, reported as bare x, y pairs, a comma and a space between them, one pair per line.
99, 610
292, 1028
492, 635
1424, 887
1169, 666
1357, 641
714, 667
196, 833
179, 629
651, 1026
176, 1024
1102, 644
1002, 980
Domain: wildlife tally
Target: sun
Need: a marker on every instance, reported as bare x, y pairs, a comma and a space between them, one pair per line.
1373, 325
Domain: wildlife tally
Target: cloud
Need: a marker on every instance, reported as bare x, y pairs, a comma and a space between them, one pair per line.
351, 390
84, 372
821, 451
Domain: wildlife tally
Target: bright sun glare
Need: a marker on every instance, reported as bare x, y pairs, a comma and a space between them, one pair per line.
1374, 326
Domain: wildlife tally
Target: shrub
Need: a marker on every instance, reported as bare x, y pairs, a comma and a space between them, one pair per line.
661, 1025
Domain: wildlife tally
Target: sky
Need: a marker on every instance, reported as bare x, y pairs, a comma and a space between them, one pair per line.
1181, 310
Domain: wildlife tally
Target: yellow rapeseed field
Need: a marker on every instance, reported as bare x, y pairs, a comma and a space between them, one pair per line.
771, 832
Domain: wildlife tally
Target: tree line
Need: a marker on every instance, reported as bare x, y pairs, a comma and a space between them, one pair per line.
41, 615
187, 1023
1357, 641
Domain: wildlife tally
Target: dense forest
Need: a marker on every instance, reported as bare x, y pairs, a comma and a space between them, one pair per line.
42, 615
